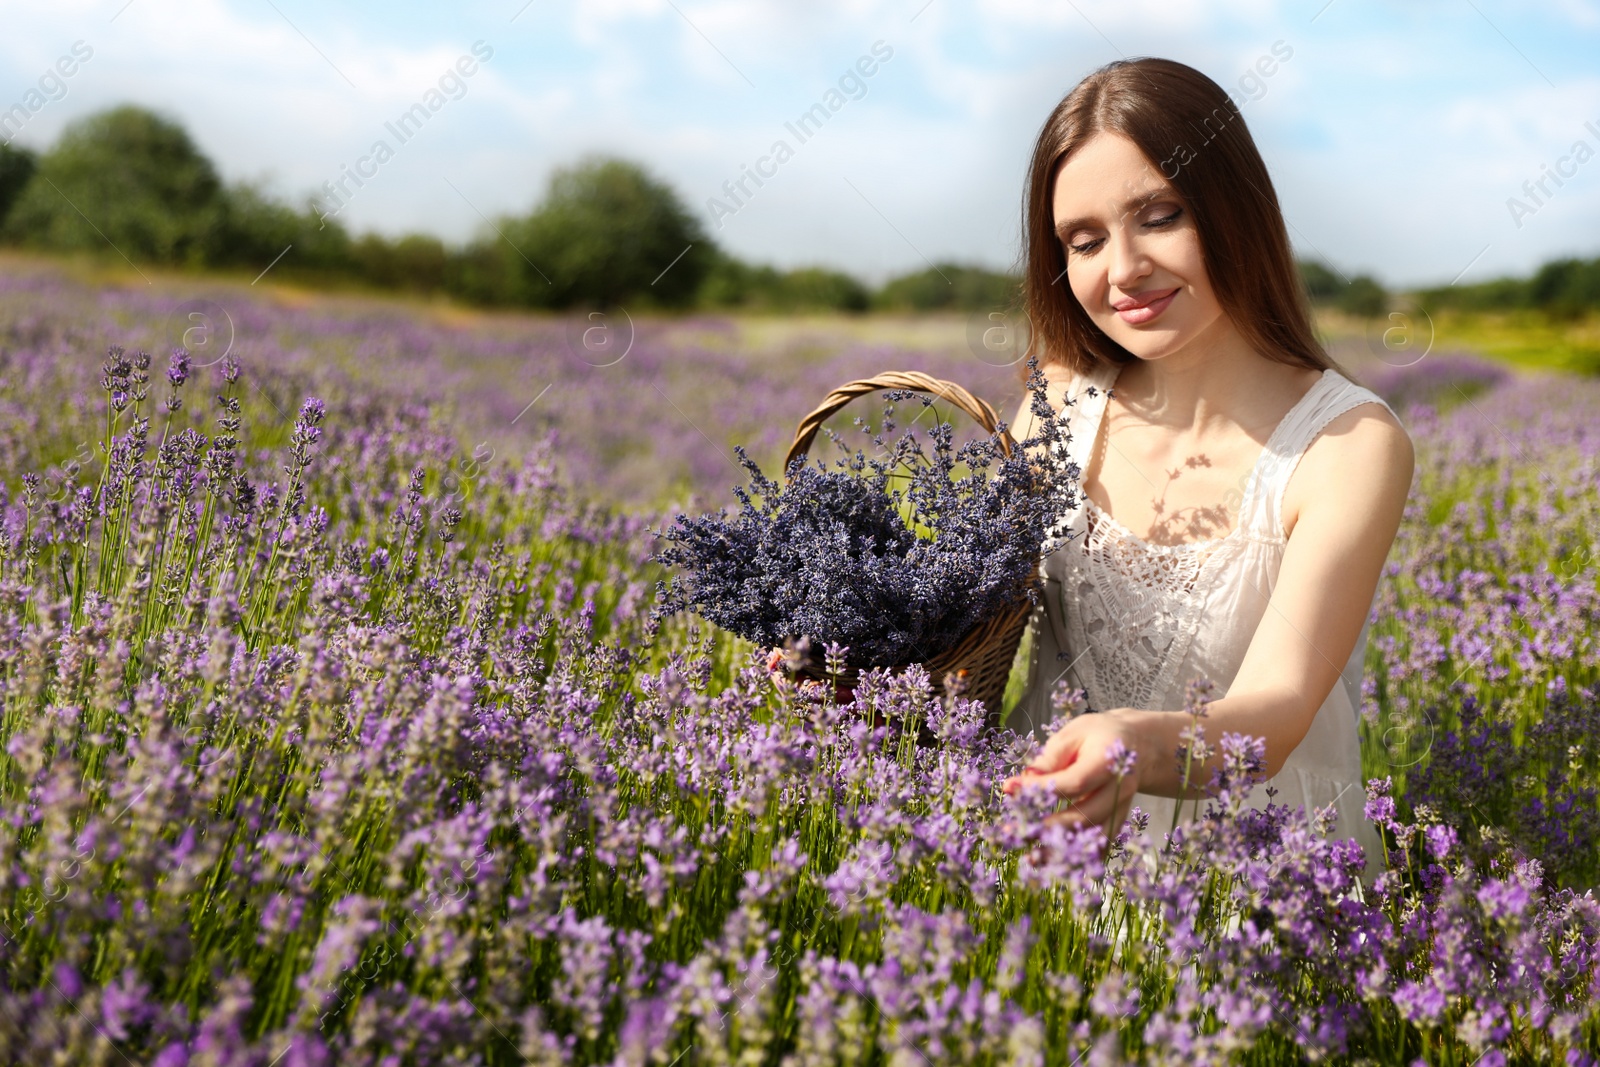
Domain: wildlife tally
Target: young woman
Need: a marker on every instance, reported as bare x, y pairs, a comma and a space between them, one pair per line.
1240, 493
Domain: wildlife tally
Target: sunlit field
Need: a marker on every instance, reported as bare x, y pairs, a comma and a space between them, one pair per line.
336, 728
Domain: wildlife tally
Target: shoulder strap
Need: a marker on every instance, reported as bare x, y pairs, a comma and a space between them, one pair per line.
1332, 396
1088, 393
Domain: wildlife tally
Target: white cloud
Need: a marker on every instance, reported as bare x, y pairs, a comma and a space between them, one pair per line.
1534, 119
1112, 16
1584, 14
1388, 155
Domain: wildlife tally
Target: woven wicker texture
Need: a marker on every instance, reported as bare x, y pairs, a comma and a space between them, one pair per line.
983, 657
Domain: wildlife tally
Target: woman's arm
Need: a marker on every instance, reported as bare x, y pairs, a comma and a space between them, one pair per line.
1343, 507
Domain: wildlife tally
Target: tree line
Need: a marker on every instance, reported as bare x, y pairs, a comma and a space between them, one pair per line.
606, 232
1564, 289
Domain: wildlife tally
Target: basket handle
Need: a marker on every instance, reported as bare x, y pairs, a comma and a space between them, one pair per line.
979, 409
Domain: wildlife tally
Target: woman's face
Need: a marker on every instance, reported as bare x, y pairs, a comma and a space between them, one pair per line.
1132, 249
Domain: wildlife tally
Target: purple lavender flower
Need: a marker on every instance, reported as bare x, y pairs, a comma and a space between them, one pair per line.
306, 786
1120, 759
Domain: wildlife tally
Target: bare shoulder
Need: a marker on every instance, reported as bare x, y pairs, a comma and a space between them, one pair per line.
1362, 462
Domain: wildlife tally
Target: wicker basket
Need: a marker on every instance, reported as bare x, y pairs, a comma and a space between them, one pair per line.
982, 659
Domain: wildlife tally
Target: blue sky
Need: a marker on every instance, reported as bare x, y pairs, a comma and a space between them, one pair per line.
1395, 133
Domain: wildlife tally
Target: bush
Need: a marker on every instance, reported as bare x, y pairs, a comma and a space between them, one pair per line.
822, 289
1496, 295
607, 233
16, 167
415, 262
1361, 295
1322, 283
949, 286
128, 177
253, 229
1364, 297
488, 272
732, 283
1564, 289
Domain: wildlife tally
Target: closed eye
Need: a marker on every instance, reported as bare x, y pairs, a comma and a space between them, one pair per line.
1089, 247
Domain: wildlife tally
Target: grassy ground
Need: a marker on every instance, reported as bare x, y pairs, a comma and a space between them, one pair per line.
1526, 340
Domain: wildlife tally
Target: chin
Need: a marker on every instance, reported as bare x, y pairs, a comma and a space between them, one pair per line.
1156, 344
1167, 335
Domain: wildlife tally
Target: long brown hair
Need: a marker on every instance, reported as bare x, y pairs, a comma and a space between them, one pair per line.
1187, 126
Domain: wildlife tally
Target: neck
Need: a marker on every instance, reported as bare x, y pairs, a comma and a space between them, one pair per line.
1215, 381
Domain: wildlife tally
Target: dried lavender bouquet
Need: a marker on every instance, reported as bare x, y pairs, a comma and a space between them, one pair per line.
895, 567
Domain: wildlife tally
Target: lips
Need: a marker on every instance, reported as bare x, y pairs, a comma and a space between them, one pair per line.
1144, 306
1149, 296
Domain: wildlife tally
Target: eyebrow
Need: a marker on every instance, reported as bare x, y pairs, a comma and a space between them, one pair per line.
1128, 208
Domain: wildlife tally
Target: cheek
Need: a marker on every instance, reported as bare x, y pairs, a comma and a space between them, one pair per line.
1206, 298
1085, 281
1191, 263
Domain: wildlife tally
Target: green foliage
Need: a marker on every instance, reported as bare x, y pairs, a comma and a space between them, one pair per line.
253, 229
1323, 284
1364, 297
1563, 289
1566, 288
1501, 293
732, 283
949, 286
488, 272
16, 167
125, 176
130, 182
607, 233
819, 287
415, 262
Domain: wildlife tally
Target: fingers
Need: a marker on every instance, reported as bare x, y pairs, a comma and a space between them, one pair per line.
1105, 807
1081, 779
1053, 780
1058, 753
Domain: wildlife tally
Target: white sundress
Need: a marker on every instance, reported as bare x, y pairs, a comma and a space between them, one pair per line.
1137, 620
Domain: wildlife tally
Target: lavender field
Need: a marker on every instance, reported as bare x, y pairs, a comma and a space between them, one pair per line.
336, 729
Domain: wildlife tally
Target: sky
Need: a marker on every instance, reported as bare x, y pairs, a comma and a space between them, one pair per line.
1399, 135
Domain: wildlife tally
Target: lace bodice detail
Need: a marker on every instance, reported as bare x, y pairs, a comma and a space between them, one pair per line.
1130, 596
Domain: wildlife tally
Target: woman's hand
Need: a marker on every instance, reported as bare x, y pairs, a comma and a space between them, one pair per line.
1080, 763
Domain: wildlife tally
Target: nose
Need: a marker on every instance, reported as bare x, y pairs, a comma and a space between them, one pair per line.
1127, 262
